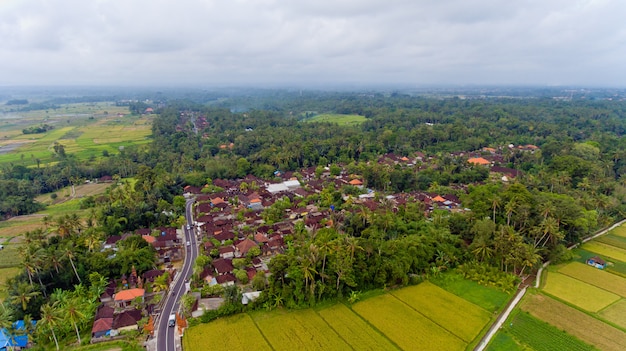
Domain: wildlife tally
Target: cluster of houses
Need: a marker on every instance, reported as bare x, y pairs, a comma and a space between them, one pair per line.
165, 240
124, 304
231, 220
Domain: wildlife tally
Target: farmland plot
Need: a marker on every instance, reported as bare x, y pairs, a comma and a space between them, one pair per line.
619, 231
354, 330
613, 240
616, 313
596, 277
542, 336
455, 314
583, 295
339, 119
606, 250
298, 330
504, 342
488, 298
235, 333
409, 329
575, 322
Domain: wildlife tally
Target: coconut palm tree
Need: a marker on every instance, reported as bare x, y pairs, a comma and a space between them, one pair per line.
24, 293
6, 318
69, 253
74, 315
50, 318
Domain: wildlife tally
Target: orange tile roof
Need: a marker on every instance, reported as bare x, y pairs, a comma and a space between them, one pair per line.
149, 238
438, 199
129, 294
478, 161
217, 201
356, 182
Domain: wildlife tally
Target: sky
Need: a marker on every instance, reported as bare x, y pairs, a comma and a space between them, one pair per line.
302, 42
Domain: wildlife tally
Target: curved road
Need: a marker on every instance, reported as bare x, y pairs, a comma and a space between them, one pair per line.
166, 335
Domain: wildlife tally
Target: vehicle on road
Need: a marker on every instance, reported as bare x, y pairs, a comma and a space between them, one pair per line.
171, 321
188, 243
188, 227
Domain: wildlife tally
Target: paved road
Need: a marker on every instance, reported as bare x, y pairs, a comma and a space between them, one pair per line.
166, 335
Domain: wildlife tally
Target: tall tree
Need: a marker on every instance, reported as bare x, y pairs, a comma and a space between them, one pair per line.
50, 318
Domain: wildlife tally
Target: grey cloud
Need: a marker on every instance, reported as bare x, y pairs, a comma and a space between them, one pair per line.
446, 41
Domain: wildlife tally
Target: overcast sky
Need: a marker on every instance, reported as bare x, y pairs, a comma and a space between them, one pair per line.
256, 42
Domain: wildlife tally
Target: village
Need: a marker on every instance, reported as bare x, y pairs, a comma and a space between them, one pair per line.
243, 223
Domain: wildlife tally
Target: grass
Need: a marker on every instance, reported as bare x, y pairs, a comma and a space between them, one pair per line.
541, 336
354, 330
119, 345
5, 274
298, 330
596, 277
82, 190
409, 329
67, 207
222, 335
488, 298
338, 118
16, 226
616, 313
606, 250
445, 309
583, 295
10, 256
504, 342
574, 322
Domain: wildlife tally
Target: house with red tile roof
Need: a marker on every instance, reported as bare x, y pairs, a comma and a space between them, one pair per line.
244, 246
102, 327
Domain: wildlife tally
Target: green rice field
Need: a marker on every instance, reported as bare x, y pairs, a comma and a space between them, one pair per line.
596, 277
338, 118
354, 330
541, 336
489, 299
298, 330
606, 250
436, 304
84, 130
422, 317
619, 231
616, 313
576, 292
613, 240
574, 322
199, 337
400, 324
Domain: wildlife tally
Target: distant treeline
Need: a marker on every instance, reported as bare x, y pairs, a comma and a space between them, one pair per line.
17, 102
36, 130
